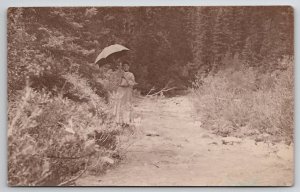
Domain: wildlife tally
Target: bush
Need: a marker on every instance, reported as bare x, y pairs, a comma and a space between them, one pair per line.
247, 102
52, 139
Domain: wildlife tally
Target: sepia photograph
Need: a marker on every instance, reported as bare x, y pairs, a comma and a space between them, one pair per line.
150, 96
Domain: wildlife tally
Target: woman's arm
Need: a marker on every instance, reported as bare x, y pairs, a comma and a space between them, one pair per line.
130, 79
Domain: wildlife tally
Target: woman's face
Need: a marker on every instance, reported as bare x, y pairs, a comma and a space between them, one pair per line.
126, 67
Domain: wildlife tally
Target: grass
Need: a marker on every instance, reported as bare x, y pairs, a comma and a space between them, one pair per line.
245, 102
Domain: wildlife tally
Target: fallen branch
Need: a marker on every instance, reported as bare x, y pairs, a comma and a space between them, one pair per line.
74, 178
152, 89
163, 90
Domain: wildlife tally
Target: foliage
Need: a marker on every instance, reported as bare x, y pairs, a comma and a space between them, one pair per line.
59, 101
168, 44
258, 36
52, 139
247, 102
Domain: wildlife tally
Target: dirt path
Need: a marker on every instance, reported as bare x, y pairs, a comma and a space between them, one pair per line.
173, 150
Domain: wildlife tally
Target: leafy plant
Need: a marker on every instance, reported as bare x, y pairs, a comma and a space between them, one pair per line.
51, 140
247, 102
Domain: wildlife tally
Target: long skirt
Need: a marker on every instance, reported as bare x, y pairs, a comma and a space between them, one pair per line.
123, 105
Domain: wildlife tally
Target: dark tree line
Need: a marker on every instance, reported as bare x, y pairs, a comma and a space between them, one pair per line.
169, 45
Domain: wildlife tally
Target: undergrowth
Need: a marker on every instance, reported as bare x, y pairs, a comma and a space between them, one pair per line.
246, 102
52, 140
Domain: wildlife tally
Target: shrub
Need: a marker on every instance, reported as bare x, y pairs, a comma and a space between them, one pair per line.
247, 102
52, 139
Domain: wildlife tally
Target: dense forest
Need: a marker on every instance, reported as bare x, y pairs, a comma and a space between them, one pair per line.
168, 44
237, 60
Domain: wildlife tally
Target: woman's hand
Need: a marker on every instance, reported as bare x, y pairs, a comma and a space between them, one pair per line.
124, 82
122, 74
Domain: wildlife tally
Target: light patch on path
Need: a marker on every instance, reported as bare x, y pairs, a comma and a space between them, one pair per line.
174, 150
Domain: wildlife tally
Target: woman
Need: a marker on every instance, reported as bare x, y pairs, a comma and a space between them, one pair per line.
123, 105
